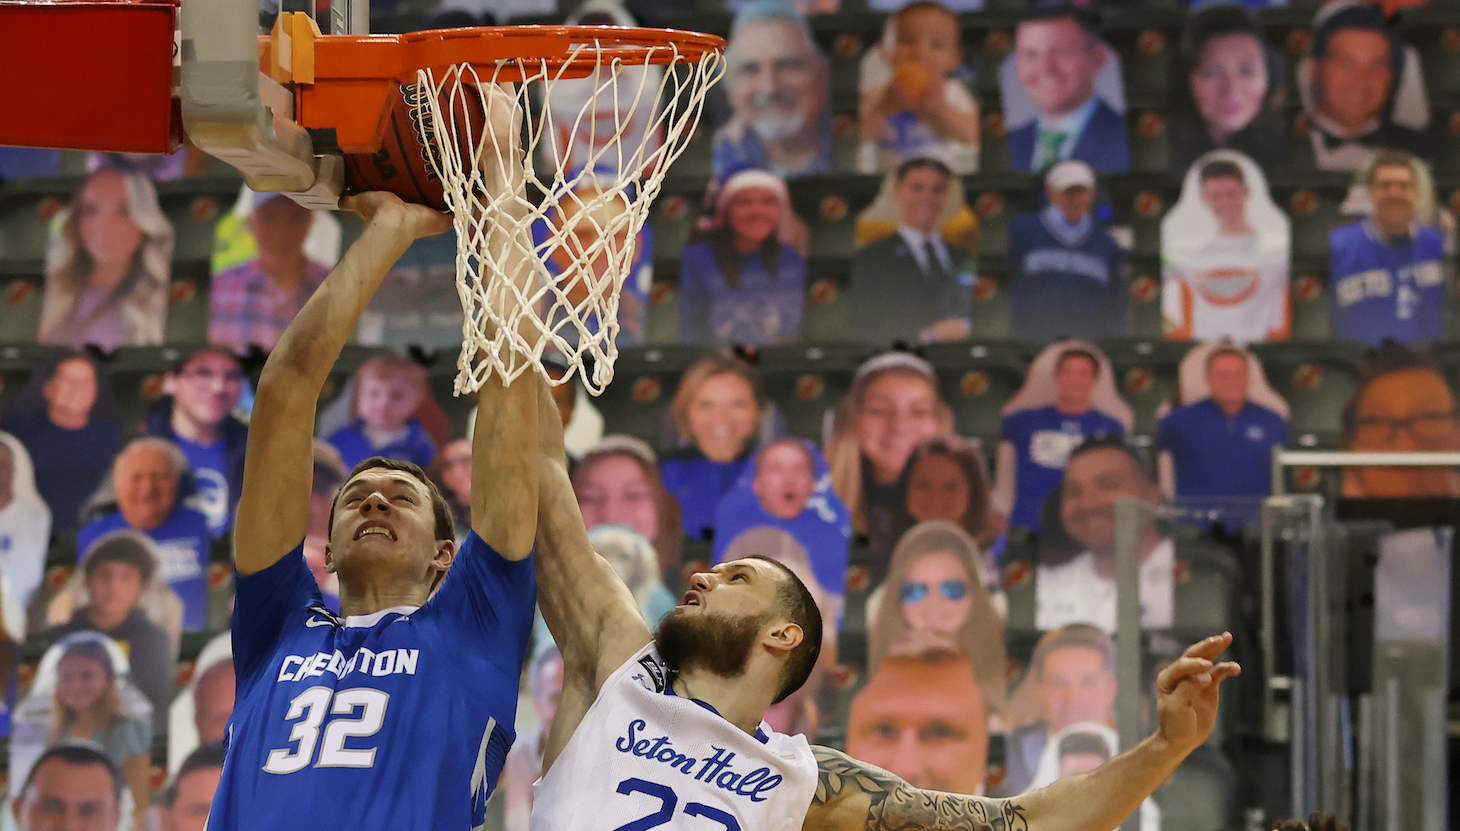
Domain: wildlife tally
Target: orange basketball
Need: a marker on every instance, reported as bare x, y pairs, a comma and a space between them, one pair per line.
402, 166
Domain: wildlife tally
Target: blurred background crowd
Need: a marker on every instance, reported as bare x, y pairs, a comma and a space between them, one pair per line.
934, 285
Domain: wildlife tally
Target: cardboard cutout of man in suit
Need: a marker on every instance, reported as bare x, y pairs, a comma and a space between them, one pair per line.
1057, 57
911, 285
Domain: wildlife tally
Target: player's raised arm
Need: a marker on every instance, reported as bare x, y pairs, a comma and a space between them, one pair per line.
273, 508
855, 796
589, 610
505, 457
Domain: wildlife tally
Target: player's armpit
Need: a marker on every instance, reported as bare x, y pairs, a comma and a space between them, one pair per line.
854, 796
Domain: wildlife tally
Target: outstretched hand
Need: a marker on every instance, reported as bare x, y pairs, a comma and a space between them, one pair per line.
1187, 692
417, 220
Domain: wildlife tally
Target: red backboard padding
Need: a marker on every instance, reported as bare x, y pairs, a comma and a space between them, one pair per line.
89, 75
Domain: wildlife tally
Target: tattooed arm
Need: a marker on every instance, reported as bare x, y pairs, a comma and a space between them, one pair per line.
856, 796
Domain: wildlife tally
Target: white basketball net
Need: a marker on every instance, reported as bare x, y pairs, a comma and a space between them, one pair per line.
550, 198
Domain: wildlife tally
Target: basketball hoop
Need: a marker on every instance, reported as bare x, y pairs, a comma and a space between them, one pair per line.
550, 143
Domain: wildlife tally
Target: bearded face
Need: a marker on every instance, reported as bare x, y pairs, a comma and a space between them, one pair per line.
715, 643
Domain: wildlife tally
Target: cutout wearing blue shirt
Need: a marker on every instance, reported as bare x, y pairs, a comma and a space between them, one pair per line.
183, 544
1219, 455
1043, 439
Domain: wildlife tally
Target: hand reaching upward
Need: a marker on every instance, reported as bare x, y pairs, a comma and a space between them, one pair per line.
1187, 692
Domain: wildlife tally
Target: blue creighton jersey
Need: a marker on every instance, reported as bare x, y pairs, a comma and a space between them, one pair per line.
398, 720
1390, 289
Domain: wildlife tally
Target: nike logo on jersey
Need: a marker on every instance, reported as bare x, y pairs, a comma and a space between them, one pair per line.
317, 612
715, 770
314, 621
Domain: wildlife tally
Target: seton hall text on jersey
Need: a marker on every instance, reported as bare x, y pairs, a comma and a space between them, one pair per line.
714, 770
364, 661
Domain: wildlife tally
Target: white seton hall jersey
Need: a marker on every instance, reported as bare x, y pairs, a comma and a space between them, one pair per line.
644, 758
398, 720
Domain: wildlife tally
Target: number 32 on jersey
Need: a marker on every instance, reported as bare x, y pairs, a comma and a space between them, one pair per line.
364, 711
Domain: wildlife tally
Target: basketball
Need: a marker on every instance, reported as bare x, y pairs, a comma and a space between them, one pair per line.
402, 165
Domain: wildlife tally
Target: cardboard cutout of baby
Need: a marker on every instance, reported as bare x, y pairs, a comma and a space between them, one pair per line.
1225, 250
913, 103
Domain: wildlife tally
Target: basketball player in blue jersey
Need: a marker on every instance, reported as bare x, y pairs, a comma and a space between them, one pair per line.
398, 713
665, 730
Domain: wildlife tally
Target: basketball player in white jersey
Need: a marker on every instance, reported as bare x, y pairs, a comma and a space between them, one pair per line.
665, 730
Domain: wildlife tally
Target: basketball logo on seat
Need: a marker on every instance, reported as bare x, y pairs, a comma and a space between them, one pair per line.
1139, 381
833, 209
1144, 288
1151, 124
150, 388
645, 389
810, 387
974, 383
1150, 42
1308, 376
183, 291
1148, 203
824, 290
19, 292
1307, 288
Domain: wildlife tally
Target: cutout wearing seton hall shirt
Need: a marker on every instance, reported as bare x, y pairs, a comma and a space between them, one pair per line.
1388, 282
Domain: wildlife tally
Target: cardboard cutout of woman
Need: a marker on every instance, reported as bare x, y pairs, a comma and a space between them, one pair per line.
936, 591
85, 677
1225, 251
746, 283
108, 265
25, 535
1230, 91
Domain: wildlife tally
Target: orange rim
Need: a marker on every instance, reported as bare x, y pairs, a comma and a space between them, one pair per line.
344, 82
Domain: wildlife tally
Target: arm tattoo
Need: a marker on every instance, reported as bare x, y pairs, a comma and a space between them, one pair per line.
898, 806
